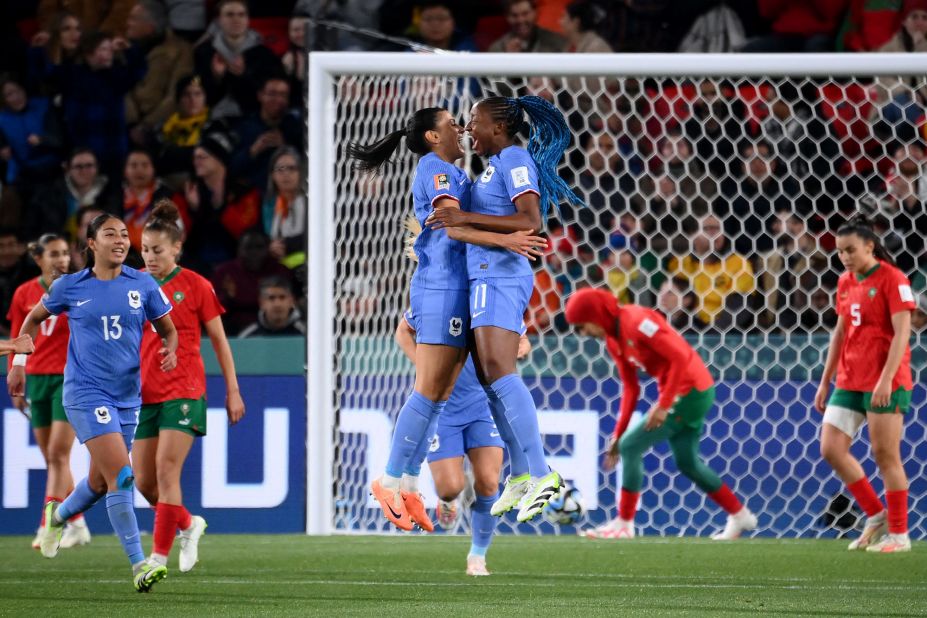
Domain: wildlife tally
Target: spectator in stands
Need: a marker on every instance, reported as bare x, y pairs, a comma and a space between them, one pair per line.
357, 13
187, 18
720, 277
58, 44
438, 27
679, 304
627, 282
715, 126
648, 25
169, 58
579, 24
905, 211
265, 130
182, 131
868, 25
15, 269
237, 282
232, 62
141, 190
285, 209
755, 198
294, 61
94, 93
524, 34
220, 207
676, 159
30, 139
900, 101
105, 16
83, 217
799, 25
278, 314
54, 205
604, 180
818, 313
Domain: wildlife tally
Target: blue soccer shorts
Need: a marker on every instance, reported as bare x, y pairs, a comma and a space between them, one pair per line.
90, 421
439, 317
454, 440
500, 302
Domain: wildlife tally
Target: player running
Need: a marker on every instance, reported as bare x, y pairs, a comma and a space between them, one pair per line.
438, 293
174, 404
107, 305
45, 380
640, 338
870, 353
514, 193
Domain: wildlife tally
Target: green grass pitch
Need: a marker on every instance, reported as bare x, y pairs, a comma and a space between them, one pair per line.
417, 576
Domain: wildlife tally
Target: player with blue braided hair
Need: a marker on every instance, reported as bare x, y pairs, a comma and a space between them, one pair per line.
108, 306
515, 192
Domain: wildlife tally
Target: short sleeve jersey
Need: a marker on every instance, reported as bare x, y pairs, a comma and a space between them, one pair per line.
441, 260
195, 303
106, 319
867, 303
510, 174
51, 340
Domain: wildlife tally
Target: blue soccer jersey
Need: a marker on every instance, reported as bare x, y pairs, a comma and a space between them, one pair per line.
510, 173
106, 320
441, 260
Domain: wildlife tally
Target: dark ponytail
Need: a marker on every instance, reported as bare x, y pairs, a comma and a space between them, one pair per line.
861, 226
165, 217
37, 247
372, 157
92, 228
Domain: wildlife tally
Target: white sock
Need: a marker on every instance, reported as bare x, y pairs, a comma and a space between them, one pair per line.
159, 558
409, 483
390, 482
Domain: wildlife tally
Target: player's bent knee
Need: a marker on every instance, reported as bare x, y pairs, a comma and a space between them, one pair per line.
125, 480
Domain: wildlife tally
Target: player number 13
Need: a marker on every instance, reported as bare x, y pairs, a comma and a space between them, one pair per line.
112, 329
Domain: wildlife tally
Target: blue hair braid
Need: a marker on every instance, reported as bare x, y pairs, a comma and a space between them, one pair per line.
547, 141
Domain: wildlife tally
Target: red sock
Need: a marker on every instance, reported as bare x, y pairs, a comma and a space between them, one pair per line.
866, 496
627, 505
897, 511
184, 519
47, 500
165, 528
726, 499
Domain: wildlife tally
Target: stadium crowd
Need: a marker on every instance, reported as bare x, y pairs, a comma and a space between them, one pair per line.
714, 200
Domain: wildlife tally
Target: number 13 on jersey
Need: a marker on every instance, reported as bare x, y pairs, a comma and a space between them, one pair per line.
112, 329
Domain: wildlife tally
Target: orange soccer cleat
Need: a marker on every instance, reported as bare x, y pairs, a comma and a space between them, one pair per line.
392, 504
415, 507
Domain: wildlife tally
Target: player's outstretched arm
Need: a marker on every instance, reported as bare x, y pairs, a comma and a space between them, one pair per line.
234, 404
16, 379
522, 242
830, 365
527, 217
20, 345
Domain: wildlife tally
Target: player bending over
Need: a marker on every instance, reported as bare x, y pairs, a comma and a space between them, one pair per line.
870, 352
638, 337
514, 193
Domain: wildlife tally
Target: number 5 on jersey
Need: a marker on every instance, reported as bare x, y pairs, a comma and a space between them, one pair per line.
479, 301
856, 316
112, 329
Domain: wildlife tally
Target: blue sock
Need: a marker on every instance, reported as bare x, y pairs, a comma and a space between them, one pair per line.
411, 426
80, 500
482, 524
518, 463
414, 465
122, 517
522, 417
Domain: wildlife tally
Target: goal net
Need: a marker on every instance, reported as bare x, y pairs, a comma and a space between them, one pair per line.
710, 195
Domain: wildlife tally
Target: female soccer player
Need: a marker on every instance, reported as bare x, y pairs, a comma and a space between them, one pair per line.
438, 294
514, 193
107, 306
45, 380
870, 353
637, 337
174, 404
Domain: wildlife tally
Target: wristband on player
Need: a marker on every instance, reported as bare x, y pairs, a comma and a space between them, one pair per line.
19, 360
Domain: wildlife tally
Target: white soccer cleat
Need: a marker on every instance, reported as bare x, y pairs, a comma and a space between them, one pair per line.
476, 566
51, 534
738, 523
539, 493
76, 533
512, 494
891, 544
189, 543
615, 529
447, 514
37, 540
876, 528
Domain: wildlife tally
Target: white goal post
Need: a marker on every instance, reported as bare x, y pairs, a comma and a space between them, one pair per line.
338, 85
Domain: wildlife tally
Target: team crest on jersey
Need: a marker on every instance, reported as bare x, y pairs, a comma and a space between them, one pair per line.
435, 445
177, 296
102, 415
442, 181
455, 327
135, 299
487, 174
872, 292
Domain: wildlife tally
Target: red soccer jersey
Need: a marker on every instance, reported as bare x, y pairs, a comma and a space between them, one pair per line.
866, 304
195, 303
646, 341
51, 341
